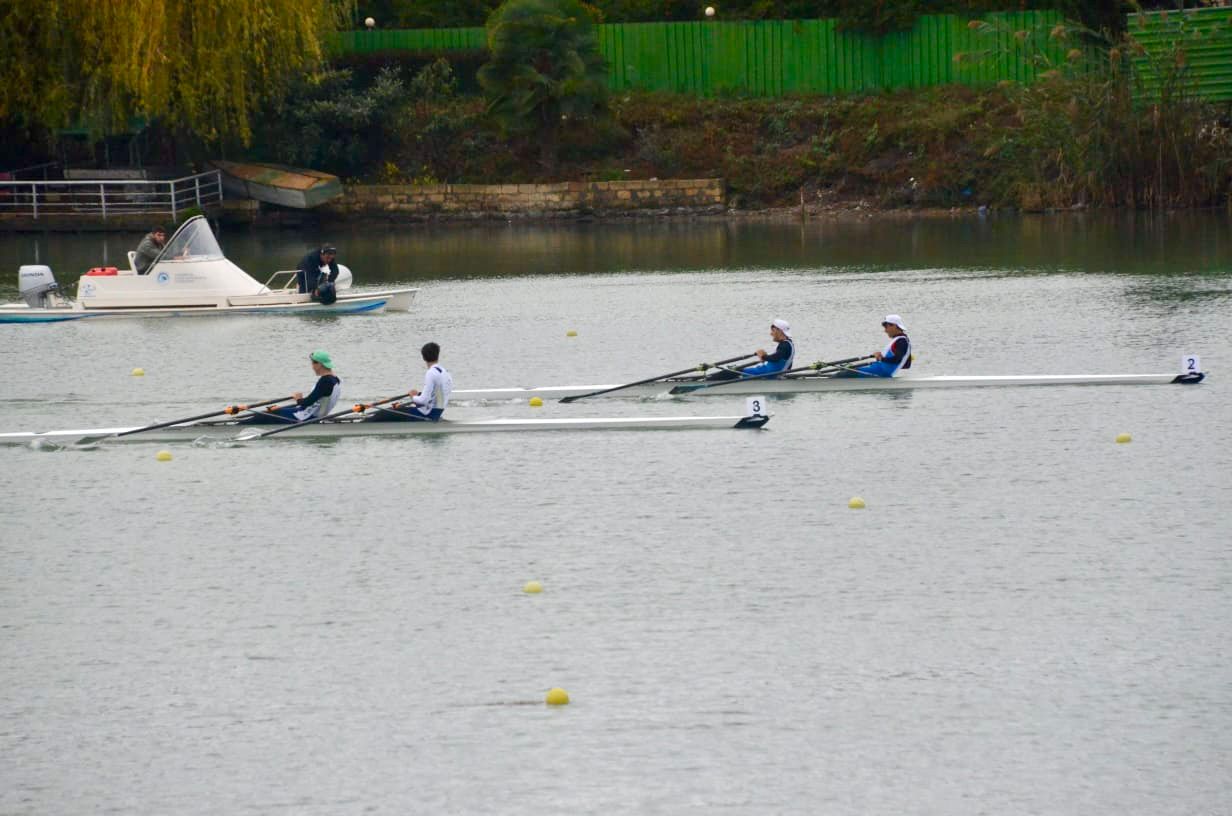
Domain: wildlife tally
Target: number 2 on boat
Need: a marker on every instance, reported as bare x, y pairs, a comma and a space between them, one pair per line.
1190, 364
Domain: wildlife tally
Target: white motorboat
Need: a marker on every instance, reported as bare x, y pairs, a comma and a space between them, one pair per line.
792, 384
233, 430
191, 277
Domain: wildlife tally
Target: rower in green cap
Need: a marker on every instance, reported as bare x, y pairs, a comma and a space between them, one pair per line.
321, 401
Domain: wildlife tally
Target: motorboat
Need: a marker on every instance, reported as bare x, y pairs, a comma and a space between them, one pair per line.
191, 277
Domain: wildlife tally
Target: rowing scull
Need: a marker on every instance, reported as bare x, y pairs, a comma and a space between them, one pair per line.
820, 384
228, 431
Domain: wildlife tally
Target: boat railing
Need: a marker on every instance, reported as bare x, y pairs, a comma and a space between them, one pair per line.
110, 197
286, 285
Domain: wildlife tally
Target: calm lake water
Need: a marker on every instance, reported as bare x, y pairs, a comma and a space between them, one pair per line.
1027, 618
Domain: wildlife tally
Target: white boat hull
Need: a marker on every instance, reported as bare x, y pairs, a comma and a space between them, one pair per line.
229, 431
394, 300
190, 277
820, 384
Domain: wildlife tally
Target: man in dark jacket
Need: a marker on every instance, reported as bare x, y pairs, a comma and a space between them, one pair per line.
149, 248
308, 273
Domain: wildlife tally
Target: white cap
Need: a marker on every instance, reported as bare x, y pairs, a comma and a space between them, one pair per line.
894, 320
781, 325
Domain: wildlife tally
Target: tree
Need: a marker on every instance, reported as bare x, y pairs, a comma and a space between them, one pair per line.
202, 67
545, 71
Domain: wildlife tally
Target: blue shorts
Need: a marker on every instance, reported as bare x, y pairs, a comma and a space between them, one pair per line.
765, 368
406, 413
874, 369
280, 416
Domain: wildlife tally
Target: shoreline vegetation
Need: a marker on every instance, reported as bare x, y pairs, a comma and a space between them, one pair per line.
1103, 121
1062, 144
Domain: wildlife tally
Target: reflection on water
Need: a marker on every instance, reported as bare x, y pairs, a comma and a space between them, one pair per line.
1129, 243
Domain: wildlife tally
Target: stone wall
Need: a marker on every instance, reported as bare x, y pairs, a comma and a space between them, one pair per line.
568, 199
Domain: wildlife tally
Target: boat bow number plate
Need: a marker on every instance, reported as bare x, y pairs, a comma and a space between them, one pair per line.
1190, 364
755, 406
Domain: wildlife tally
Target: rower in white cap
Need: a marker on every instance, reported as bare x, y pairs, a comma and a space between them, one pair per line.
771, 362
895, 356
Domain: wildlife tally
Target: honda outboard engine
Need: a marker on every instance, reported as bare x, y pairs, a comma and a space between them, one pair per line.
38, 286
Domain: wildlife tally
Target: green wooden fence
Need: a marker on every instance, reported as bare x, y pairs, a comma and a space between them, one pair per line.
1204, 39
774, 57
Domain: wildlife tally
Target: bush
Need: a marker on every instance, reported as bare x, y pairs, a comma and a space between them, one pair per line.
330, 122
546, 73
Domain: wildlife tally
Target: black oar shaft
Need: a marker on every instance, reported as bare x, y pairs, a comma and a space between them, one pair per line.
357, 409
703, 366
815, 368
228, 410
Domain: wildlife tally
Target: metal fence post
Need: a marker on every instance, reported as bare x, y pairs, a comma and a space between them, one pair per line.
171, 187
34, 198
102, 195
197, 182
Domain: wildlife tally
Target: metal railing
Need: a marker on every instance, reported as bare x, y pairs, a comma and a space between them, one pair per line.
38, 199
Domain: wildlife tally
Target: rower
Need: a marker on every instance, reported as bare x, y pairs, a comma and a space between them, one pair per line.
895, 356
771, 362
428, 404
321, 401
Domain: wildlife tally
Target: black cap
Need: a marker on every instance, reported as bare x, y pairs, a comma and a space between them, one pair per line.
330, 249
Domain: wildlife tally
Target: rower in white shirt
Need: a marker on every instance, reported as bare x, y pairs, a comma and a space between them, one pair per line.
429, 402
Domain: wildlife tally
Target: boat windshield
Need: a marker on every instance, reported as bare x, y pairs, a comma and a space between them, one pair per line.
194, 241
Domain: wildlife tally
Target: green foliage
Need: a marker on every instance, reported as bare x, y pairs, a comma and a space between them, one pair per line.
200, 67
1095, 131
545, 72
329, 123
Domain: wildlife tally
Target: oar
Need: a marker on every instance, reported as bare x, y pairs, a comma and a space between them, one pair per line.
355, 409
818, 367
230, 409
698, 367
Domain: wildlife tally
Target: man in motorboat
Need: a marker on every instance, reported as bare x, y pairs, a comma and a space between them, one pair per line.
771, 362
894, 357
149, 249
319, 402
311, 274
427, 404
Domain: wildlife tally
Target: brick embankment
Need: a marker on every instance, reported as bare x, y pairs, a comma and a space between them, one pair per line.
568, 199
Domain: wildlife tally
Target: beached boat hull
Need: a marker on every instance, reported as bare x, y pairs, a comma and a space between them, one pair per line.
278, 184
394, 300
803, 385
228, 431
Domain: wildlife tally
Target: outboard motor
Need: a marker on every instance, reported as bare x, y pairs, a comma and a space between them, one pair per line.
38, 286
344, 277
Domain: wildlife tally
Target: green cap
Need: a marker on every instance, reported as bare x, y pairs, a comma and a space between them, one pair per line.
322, 357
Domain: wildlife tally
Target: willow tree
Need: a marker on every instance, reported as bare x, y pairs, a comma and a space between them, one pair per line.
203, 66
545, 69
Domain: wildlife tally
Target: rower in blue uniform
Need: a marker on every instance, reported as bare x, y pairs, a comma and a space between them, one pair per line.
895, 356
771, 362
319, 402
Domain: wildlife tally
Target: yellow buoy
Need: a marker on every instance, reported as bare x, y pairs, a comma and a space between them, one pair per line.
1122, 438
532, 587
856, 503
163, 456
571, 333
557, 696
138, 372
536, 402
